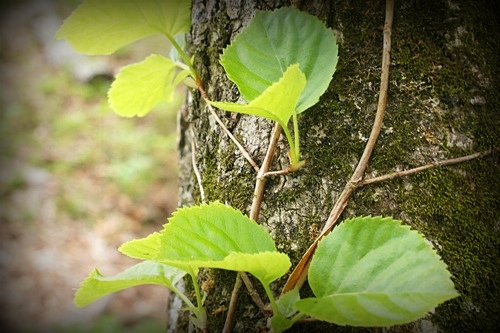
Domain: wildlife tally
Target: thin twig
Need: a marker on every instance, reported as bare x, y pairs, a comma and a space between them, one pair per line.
254, 215
231, 136
195, 167
404, 173
253, 293
299, 274
234, 298
261, 179
283, 172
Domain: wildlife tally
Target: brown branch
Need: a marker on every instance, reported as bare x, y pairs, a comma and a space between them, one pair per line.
299, 274
404, 173
261, 179
231, 310
253, 293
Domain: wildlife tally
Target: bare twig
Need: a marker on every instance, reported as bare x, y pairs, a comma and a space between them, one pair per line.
254, 215
425, 167
232, 303
253, 293
195, 166
231, 136
261, 179
283, 172
299, 274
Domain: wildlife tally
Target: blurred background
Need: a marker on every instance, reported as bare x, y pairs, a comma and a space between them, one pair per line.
76, 180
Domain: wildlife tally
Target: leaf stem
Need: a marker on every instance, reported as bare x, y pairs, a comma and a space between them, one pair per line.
199, 301
184, 57
199, 311
182, 296
298, 317
270, 295
291, 142
297, 138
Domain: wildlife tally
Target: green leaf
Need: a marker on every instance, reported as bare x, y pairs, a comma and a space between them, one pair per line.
96, 286
272, 42
286, 303
144, 248
140, 87
215, 236
280, 323
277, 102
103, 26
373, 271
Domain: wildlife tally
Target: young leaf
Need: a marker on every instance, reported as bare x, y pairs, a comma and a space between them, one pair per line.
272, 42
372, 271
96, 286
286, 303
140, 87
103, 26
215, 236
277, 102
280, 323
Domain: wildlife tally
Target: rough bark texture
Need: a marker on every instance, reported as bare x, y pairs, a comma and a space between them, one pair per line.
443, 102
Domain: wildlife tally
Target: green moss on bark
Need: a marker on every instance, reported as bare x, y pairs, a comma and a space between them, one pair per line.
442, 58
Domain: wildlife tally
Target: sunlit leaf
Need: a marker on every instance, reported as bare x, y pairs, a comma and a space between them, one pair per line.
215, 236
145, 248
140, 87
272, 41
277, 102
96, 286
373, 271
103, 26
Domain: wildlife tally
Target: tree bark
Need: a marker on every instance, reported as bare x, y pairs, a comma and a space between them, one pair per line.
443, 103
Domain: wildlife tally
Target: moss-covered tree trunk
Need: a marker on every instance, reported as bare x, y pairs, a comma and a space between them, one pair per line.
444, 102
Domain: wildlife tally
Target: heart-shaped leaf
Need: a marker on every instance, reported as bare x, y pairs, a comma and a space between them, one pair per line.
373, 271
277, 102
103, 26
96, 286
215, 236
259, 56
140, 87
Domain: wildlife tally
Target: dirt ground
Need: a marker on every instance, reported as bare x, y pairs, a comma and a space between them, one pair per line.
73, 186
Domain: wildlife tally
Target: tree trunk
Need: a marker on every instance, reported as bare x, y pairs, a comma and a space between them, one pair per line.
443, 103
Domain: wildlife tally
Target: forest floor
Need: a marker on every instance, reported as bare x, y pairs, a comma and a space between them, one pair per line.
76, 180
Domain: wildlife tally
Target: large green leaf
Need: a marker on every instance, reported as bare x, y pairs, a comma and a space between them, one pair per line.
272, 42
215, 236
373, 271
277, 102
103, 26
96, 286
140, 87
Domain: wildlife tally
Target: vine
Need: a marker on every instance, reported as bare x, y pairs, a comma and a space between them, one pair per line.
363, 265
